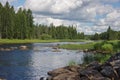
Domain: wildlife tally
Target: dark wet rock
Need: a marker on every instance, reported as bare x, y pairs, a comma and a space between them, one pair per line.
90, 74
114, 57
110, 70
84, 78
42, 78
49, 78
94, 65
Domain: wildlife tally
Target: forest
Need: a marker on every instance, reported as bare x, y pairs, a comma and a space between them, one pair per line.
108, 35
20, 25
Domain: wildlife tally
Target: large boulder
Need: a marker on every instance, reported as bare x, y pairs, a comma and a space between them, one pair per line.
108, 71
65, 73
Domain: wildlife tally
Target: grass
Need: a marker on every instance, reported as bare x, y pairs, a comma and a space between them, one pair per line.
85, 46
72, 63
72, 40
10, 41
78, 46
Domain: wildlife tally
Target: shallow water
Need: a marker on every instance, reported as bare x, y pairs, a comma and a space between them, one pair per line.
35, 62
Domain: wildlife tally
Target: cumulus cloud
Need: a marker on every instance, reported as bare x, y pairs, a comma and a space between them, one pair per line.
100, 13
53, 6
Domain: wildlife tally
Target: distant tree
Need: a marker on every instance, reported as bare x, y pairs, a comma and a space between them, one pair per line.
96, 36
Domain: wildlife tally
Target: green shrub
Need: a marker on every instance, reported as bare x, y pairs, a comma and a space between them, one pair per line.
98, 46
108, 48
96, 57
72, 63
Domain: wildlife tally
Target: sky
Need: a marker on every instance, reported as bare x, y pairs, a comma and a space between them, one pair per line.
88, 16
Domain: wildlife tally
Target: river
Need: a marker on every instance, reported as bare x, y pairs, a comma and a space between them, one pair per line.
36, 61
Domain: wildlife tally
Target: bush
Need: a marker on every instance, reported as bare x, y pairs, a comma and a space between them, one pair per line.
108, 48
72, 63
96, 57
98, 46
46, 37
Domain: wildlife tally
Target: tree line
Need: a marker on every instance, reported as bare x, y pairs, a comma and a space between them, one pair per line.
57, 32
15, 25
108, 35
20, 25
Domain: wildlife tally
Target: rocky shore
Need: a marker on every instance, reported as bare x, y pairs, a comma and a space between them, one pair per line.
110, 70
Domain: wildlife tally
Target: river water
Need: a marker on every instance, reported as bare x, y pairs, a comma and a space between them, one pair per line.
36, 61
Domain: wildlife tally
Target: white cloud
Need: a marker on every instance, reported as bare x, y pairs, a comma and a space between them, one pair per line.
48, 20
53, 6
101, 13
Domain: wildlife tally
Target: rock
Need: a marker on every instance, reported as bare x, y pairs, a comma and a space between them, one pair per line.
74, 68
118, 72
2, 79
67, 76
94, 65
42, 78
55, 47
90, 73
65, 73
5, 49
49, 78
13, 48
56, 50
114, 57
23, 47
84, 78
58, 71
108, 71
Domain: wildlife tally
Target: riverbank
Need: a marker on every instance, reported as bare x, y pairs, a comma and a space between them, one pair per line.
112, 46
93, 71
13, 41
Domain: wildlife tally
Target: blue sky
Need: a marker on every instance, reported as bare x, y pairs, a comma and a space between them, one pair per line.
18, 3
89, 16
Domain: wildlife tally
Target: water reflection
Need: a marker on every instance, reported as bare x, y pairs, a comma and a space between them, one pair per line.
35, 62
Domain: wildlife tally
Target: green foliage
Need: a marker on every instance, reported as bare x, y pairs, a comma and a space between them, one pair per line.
72, 63
77, 46
46, 37
108, 35
107, 47
96, 57
98, 45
